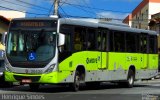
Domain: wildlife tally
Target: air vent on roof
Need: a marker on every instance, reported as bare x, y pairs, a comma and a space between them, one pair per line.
112, 22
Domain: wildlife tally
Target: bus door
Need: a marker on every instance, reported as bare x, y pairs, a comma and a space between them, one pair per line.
143, 47
102, 48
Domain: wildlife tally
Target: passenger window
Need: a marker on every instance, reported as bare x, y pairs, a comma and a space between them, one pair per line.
143, 43
99, 44
152, 45
104, 40
79, 39
131, 42
119, 41
91, 43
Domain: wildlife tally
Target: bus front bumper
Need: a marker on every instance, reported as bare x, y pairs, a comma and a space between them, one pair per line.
54, 77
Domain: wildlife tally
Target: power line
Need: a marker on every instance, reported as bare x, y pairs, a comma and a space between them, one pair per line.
49, 12
60, 6
93, 7
89, 12
88, 5
21, 11
33, 4
137, 20
65, 14
99, 8
20, 5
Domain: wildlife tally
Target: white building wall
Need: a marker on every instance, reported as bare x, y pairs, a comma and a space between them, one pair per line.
153, 9
130, 23
12, 14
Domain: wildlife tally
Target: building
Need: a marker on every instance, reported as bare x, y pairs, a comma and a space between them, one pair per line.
128, 20
12, 14
6, 16
154, 22
154, 25
142, 14
4, 23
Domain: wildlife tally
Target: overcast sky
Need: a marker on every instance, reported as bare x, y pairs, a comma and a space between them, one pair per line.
117, 9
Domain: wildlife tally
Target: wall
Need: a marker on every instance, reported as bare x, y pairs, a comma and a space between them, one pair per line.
12, 14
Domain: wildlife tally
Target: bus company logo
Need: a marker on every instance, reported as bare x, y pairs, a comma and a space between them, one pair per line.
91, 60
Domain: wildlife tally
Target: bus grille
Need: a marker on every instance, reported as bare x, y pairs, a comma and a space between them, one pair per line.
33, 78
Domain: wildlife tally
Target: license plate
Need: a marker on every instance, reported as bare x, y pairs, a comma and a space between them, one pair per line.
26, 80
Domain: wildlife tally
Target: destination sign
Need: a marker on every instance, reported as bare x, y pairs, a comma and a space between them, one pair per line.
34, 24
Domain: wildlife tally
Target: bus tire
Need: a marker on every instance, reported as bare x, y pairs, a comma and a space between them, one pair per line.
130, 79
34, 87
75, 86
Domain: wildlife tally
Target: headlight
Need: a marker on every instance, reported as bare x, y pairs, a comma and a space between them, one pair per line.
50, 69
1, 73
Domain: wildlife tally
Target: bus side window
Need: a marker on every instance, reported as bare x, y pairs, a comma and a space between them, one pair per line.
111, 41
99, 41
91, 44
79, 39
104, 42
77, 42
152, 44
131, 42
143, 43
119, 41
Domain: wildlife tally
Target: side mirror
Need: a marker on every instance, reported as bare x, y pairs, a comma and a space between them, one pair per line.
61, 39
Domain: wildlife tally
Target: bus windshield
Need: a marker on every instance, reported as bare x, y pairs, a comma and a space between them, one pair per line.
31, 46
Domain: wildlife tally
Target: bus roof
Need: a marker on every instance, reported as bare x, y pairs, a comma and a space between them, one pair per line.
95, 24
36, 18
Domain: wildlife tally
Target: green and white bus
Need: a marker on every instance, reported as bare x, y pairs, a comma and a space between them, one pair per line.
75, 51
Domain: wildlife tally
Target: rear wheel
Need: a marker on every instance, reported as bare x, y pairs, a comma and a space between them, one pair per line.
130, 79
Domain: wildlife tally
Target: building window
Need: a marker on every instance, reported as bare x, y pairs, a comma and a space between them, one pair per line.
142, 17
147, 12
132, 24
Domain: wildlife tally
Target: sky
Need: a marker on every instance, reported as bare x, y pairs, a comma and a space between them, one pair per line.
116, 9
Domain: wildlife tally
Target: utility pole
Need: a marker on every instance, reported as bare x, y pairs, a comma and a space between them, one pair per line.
56, 4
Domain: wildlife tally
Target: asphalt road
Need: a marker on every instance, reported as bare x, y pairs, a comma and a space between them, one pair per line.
142, 90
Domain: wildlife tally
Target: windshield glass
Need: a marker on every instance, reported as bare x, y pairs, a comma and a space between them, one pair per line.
31, 46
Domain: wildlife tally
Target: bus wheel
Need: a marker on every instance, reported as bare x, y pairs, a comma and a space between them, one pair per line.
130, 79
76, 84
34, 87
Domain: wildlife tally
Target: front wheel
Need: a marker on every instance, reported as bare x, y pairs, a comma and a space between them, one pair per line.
75, 86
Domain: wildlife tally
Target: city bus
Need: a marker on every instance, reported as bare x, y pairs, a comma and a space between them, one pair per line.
76, 51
